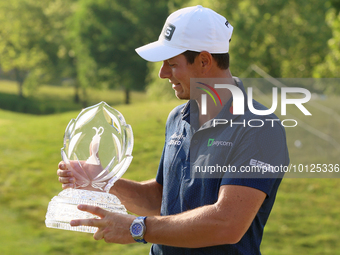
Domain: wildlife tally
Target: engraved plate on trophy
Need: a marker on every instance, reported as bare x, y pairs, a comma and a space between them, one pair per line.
97, 149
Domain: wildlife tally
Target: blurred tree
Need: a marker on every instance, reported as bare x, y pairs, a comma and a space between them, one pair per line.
285, 38
24, 42
158, 89
330, 68
336, 5
106, 32
88, 42
59, 14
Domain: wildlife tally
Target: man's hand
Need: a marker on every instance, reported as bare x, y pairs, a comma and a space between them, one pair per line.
226, 221
78, 174
112, 227
143, 198
66, 176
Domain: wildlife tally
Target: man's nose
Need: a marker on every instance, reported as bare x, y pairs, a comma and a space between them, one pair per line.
165, 71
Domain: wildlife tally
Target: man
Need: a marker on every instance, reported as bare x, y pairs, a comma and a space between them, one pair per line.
185, 211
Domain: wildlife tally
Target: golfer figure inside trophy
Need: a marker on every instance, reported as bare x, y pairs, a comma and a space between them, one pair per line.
97, 148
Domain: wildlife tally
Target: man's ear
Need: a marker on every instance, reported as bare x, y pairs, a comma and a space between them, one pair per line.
205, 61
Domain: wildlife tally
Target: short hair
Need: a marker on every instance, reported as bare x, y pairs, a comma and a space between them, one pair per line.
222, 59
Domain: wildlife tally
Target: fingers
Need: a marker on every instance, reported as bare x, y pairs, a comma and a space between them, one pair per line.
91, 222
68, 186
98, 235
65, 176
68, 179
93, 209
112, 227
63, 171
62, 165
86, 222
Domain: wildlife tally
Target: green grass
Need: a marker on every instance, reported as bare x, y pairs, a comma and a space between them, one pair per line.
305, 218
56, 99
30, 151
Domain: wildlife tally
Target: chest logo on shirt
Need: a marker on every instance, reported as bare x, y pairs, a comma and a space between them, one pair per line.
176, 139
212, 142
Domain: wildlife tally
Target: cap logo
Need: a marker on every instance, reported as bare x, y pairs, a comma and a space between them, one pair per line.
227, 23
169, 31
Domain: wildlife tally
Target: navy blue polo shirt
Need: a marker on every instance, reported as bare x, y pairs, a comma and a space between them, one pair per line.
191, 153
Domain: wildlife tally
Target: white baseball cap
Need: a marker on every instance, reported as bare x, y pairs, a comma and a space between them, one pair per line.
192, 28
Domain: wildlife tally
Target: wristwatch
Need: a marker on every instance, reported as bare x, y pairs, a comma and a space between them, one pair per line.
138, 229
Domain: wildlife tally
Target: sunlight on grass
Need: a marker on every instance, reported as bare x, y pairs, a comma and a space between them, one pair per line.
54, 99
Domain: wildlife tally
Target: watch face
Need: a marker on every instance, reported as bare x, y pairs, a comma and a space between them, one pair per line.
137, 229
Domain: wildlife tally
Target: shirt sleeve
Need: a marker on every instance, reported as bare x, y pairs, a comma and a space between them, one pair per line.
265, 146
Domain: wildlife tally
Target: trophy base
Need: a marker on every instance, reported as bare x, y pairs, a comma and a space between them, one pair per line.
63, 208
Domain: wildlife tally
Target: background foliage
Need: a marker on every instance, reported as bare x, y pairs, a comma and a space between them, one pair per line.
90, 43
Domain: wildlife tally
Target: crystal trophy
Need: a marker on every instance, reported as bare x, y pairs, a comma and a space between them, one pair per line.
97, 149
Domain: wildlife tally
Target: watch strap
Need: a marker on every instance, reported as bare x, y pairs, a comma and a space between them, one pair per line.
140, 239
